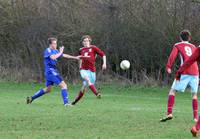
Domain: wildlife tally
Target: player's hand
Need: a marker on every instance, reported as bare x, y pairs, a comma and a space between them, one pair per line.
178, 75
168, 70
104, 67
61, 49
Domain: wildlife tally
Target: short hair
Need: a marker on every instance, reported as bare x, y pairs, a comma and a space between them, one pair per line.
86, 36
51, 39
185, 35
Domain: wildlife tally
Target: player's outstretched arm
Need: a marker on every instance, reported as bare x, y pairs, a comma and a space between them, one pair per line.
70, 56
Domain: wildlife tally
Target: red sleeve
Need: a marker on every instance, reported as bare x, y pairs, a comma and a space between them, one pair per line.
172, 57
99, 51
194, 57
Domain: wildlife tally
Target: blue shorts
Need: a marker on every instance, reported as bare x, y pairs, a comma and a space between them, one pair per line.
185, 80
51, 79
87, 73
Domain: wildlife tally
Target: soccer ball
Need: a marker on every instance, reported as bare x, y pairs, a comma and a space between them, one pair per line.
125, 64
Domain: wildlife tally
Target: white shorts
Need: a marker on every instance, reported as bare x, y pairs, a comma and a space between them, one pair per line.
185, 80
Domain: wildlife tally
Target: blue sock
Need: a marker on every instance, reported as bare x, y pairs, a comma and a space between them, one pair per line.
38, 94
64, 94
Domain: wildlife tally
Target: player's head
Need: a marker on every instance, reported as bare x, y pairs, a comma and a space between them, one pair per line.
185, 35
86, 40
52, 42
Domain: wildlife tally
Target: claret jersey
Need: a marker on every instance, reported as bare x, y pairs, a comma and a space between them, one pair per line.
90, 52
184, 49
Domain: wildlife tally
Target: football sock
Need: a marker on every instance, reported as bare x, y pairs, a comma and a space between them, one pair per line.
94, 90
195, 107
38, 94
198, 124
80, 95
64, 94
170, 104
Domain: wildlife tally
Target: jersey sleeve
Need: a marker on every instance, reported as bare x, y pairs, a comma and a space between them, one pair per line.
194, 57
172, 57
99, 51
48, 53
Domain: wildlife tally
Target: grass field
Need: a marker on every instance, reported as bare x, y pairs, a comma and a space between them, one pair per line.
122, 113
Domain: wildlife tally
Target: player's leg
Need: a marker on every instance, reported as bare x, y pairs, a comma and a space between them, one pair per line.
64, 92
170, 102
194, 89
196, 128
90, 78
58, 80
83, 73
93, 80
91, 83
81, 93
92, 87
38, 94
176, 86
170, 105
195, 106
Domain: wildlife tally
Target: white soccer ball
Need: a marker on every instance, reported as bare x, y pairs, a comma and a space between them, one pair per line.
125, 64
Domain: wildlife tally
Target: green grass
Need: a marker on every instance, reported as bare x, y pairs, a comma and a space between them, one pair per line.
122, 113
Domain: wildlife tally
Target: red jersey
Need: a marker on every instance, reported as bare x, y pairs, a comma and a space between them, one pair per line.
193, 59
185, 50
91, 52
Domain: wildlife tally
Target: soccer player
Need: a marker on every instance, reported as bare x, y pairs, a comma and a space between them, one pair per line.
87, 66
189, 77
195, 57
51, 56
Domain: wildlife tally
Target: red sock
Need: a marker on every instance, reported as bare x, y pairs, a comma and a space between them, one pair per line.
94, 90
80, 95
195, 107
170, 104
198, 124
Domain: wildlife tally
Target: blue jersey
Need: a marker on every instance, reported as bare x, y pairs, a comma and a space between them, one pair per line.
50, 64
